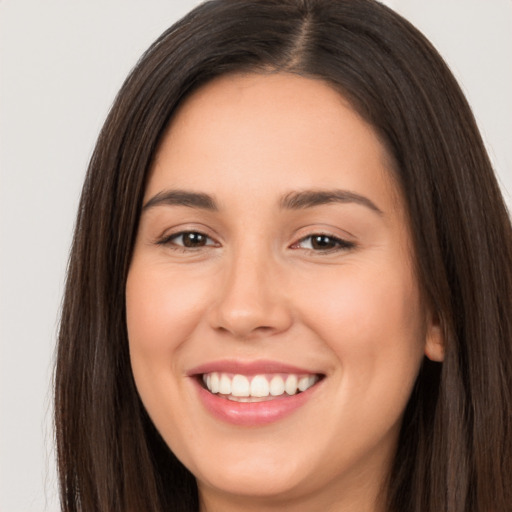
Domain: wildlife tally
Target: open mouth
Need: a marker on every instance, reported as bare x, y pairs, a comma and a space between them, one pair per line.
257, 388
254, 394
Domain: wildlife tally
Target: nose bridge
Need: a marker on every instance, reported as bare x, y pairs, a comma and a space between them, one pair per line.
249, 301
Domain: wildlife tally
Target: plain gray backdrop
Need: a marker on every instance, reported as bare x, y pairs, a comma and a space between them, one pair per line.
61, 64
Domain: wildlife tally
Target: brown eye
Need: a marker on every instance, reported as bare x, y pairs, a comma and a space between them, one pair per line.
188, 240
323, 243
194, 239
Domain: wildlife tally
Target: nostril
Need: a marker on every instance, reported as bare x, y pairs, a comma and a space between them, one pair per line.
250, 321
248, 333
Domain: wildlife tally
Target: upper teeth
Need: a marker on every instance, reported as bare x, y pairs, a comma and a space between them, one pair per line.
238, 385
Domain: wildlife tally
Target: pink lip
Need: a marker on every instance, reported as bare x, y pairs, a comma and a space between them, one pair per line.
249, 414
248, 367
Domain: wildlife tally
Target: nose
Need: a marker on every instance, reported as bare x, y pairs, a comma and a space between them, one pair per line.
251, 301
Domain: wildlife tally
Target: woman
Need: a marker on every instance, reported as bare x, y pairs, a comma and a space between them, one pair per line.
291, 278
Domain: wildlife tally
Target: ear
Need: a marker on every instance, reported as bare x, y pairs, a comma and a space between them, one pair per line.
434, 343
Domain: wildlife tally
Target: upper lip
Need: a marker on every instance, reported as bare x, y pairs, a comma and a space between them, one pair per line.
248, 367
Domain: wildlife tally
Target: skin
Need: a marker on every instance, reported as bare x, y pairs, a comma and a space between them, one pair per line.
258, 289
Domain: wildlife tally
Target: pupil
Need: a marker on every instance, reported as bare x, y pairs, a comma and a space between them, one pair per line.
322, 242
193, 240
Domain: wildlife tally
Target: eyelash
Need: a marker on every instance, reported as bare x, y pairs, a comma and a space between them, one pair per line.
170, 241
339, 243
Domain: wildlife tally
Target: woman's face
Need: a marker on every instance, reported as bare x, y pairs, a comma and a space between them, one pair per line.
273, 261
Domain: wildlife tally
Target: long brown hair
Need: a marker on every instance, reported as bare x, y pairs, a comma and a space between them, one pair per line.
455, 449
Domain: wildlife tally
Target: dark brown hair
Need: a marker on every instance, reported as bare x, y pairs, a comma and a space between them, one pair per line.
455, 449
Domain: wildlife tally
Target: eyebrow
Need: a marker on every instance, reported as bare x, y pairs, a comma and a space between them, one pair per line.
310, 198
292, 201
182, 198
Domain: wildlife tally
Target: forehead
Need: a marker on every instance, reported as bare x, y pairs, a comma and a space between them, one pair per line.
271, 131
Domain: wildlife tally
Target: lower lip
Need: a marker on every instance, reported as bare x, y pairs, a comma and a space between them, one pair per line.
248, 414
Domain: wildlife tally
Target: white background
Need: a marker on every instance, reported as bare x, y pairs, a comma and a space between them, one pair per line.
61, 64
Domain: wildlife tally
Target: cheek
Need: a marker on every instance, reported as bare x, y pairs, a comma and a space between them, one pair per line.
373, 324
161, 310
372, 321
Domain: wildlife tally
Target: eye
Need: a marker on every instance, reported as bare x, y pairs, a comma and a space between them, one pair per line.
323, 243
188, 240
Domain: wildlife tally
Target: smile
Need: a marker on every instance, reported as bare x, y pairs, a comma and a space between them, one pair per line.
257, 388
254, 394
